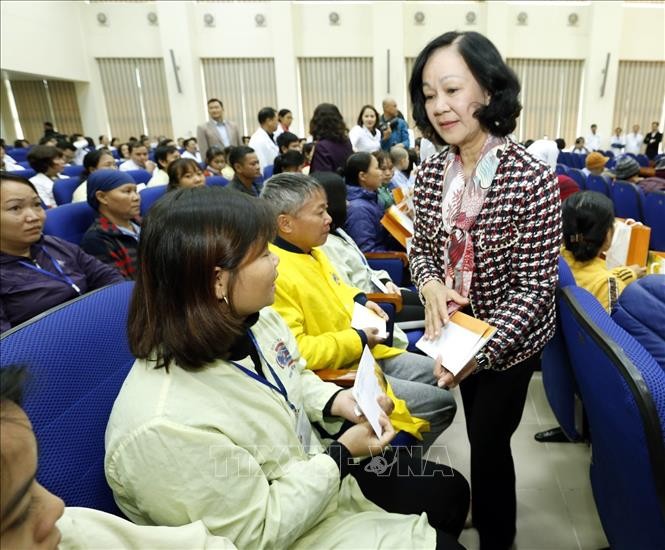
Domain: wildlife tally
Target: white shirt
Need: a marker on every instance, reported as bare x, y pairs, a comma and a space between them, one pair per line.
44, 186
427, 149
264, 147
593, 142
11, 165
634, 143
222, 131
363, 141
129, 165
159, 177
195, 156
545, 150
617, 143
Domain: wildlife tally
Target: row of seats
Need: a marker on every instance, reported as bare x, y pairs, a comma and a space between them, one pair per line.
593, 360
629, 201
575, 160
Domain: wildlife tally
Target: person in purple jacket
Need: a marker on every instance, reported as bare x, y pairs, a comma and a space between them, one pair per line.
38, 272
332, 139
363, 220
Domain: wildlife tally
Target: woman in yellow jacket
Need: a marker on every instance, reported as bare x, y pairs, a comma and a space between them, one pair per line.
215, 419
588, 228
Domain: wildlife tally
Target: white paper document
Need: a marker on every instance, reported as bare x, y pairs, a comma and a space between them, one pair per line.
366, 390
363, 317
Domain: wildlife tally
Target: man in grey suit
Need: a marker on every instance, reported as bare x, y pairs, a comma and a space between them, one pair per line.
217, 132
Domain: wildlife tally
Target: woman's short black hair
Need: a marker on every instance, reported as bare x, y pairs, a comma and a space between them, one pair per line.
327, 123
8, 176
238, 154
285, 139
336, 192
41, 157
356, 163
290, 159
175, 314
489, 70
90, 162
282, 113
587, 218
360, 115
213, 152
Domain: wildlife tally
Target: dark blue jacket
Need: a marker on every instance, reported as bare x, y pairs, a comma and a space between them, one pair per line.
25, 292
363, 220
399, 135
640, 311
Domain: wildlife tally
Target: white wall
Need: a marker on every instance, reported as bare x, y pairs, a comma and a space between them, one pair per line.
62, 39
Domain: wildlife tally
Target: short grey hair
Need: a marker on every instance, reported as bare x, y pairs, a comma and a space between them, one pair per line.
288, 191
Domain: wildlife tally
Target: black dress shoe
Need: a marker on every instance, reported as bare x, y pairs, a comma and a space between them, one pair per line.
555, 435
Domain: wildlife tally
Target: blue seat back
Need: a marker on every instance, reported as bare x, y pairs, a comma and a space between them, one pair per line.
78, 357
69, 221
654, 217
149, 195
25, 164
140, 176
627, 199
561, 169
393, 266
643, 160
27, 173
19, 154
623, 390
217, 180
268, 171
578, 176
598, 184
63, 189
73, 171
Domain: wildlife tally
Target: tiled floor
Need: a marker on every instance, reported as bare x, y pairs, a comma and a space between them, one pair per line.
555, 508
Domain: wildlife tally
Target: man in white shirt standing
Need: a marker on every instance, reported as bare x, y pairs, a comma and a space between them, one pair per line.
634, 140
618, 142
593, 139
217, 131
262, 140
191, 150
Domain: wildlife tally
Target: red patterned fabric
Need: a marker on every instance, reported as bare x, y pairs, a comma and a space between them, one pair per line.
517, 236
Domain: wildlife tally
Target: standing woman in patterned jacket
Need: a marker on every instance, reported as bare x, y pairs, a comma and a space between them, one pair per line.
487, 237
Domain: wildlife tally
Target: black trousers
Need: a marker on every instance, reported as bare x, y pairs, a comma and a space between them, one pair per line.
493, 405
400, 481
412, 308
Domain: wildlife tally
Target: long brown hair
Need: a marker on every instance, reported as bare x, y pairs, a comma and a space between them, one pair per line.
175, 315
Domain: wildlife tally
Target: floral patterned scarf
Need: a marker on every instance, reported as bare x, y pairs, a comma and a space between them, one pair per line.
461, 203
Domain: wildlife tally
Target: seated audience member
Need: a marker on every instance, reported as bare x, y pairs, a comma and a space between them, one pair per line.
363, 220
191, 150
595, 165
316, 304
657, 181
138, 158
123, 149
545, 150
68, 151
567, 186
291, 161
580, 147
588, 227
393, 126
640, 311
349, 261
115, 143
215, 162
332, 143
262, 141
401, 162
384, 192
21, 144
284, 119
105, 143
114, 235
308, 152
38, 272
32, 517
48, 141
185, 172
164, 156
365, 137
247, 170
49, 163
7, 163
99, 159
288, 142
628, 169
219, 382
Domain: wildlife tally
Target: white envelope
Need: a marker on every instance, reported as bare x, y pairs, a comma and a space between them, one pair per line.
366, 390
364, 317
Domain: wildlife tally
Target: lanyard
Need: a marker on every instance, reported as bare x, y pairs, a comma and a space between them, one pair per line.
62, 276
279, 388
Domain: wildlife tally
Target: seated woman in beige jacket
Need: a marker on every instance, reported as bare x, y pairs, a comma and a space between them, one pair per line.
220, 421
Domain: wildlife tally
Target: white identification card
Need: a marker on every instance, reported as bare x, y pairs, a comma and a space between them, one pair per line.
303, 429
366, 391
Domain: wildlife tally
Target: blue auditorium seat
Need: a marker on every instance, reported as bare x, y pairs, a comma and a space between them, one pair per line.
63, 190
268, 172
598, 184
578, 176
149, 195
217, 180
78, 357
73, 171
19, 154
627, 199
654, 216
69, 221
561, 169
140, 176
27, 173
623, 390
643, 160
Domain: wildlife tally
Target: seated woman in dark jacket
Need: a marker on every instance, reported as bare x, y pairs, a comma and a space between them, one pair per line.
363, 220
113, 238
38, 272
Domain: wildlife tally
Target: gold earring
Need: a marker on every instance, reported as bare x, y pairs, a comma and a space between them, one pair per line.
225, 299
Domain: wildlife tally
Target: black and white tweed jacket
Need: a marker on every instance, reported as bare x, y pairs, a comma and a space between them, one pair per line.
516, 238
